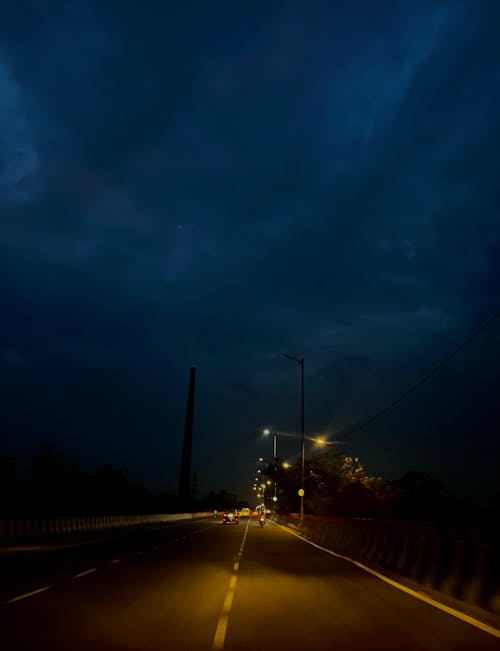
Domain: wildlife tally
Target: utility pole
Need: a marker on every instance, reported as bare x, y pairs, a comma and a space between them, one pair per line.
300, 360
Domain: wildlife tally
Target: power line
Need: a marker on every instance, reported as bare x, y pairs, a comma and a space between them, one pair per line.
354, 428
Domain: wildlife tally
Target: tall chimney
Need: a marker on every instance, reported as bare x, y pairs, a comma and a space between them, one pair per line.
187, 447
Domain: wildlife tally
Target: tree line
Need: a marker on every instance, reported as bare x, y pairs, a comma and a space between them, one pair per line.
335, 485
51, 486
339, 486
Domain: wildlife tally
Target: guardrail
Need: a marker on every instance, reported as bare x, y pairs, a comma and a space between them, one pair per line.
459, 561
20, 531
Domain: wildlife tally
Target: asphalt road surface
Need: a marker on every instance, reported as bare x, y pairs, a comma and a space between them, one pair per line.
203, 585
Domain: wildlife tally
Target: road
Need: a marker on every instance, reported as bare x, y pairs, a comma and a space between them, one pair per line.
203, 585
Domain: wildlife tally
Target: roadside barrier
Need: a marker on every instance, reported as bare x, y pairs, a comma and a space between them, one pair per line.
462, 562
14, 532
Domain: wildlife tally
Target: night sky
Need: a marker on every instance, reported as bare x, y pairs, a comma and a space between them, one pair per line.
210, 184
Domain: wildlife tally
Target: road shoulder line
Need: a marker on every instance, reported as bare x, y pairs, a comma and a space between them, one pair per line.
495, 632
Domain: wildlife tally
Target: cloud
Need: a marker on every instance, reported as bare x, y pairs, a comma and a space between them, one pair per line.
19, 158
11, 358
212, 191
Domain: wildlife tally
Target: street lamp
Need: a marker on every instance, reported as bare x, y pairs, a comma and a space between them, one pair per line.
266, 432
300, 360
262, 494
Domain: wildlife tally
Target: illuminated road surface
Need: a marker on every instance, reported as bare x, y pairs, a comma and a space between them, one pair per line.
203, 585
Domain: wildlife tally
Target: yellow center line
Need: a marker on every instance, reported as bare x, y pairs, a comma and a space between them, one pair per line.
27, 594
228, 602
220, 633
92, 569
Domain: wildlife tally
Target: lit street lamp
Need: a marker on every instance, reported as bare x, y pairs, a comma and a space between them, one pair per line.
324, 443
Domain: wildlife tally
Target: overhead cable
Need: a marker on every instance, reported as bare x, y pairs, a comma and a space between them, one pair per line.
354, 428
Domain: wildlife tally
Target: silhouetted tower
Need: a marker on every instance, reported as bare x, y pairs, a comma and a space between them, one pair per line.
194, 486
187, 447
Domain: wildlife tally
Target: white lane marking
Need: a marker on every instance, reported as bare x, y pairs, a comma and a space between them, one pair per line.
418, 595
116, 560
220, 633
27, 594
77, 576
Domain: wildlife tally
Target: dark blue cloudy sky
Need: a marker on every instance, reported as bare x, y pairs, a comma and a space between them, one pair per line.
210, 184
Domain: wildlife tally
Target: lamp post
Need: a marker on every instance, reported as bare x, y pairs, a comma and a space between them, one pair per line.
267, 432
263, 490
300, 360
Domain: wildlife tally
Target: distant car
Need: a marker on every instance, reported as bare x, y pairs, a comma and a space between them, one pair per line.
245, 512
230, 517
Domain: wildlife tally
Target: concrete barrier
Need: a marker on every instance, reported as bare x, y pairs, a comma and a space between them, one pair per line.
23, 531
452, 582
463, 562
